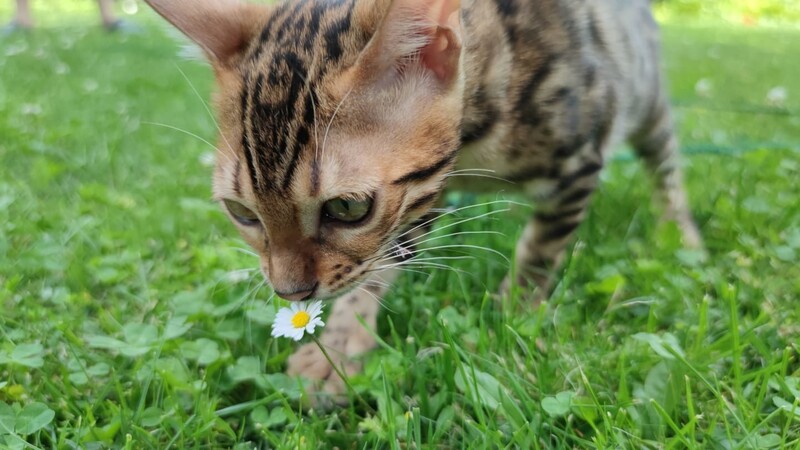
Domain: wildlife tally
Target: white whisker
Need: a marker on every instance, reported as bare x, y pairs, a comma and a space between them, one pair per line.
330, 122
377, 299
478, 175
452, 246
453, 211
245, 251
182, 131
208, 110
458, 233
459, 222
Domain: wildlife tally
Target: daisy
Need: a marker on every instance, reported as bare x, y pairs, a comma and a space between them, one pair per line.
299, 318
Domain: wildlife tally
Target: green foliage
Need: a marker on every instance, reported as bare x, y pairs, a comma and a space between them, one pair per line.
740, 11
129, 317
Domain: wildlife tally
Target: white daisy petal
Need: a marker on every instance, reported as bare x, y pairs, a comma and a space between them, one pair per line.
289, 324
296, 334
315, 309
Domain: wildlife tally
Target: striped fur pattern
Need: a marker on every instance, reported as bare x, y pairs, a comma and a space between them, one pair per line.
380, 99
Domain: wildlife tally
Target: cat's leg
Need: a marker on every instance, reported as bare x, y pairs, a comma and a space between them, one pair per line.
540, 249
658, 147
344, 337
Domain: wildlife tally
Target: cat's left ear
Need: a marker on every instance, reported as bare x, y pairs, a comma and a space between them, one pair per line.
222, 28
415, 34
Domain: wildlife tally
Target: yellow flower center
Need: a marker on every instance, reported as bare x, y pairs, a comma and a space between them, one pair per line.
300, 319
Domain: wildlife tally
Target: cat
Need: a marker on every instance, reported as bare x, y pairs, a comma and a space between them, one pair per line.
340, 121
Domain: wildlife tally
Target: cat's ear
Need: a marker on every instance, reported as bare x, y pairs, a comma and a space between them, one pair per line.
222, 28
416, 34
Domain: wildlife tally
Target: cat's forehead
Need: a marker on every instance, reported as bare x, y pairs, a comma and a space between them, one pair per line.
284, 73
318, 29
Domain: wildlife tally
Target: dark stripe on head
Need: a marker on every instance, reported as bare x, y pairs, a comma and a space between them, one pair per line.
427, 172
314, 178
266, 32
248, 150
300, 140
261, 111
333, 43
237, 172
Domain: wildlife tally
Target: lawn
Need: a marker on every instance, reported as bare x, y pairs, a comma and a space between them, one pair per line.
130, 316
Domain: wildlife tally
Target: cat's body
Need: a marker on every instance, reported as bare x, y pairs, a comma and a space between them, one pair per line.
341, 119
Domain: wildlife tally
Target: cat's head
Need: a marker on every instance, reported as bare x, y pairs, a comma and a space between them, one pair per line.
339, 121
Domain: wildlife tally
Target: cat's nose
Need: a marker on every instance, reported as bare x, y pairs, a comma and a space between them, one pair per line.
298, 295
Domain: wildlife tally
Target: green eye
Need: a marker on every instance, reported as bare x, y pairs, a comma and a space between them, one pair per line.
347, 210
242, 214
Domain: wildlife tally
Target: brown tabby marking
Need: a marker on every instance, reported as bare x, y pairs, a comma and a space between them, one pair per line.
361, 99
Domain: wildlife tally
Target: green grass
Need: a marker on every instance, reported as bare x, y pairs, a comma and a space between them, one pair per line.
125, 324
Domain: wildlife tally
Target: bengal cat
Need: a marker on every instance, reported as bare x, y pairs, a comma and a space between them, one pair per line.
341, 119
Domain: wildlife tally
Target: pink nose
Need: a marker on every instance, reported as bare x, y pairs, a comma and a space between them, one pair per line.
296, 295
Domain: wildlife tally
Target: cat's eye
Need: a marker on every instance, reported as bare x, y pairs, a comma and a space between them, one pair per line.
347, 210
242, 214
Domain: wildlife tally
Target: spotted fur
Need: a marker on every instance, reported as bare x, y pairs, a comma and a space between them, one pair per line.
381, 99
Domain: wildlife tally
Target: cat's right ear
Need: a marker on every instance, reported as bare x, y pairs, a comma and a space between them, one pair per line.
222, 28
415, 36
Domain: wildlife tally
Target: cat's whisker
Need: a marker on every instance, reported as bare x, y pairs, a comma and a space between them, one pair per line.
253, 294
404, 270
473, 170
458, 222
245, 251
458, 246
330, 122
428, 266
376, 282
383, 304
478, 175
453, 211
208, 110
393, 249
424, 263
189, 133
457, 233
